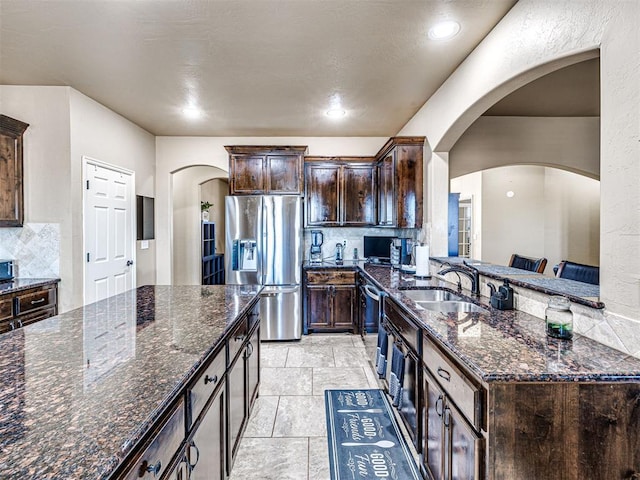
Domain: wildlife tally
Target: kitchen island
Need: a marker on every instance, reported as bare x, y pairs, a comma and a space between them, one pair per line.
82, 392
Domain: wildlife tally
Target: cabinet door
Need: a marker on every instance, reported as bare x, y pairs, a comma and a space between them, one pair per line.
322, 195
205, 452
253, 367
284, 174
236, 408
386, 192
11, 188
343, 306
319, 306
358, 201
463, 447
409, 404
432, 427
247, 174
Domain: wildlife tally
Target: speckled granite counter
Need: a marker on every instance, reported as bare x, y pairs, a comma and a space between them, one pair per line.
79, 389
578, 292
508, 345
18, 284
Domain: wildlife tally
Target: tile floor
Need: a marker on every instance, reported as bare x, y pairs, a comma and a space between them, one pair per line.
286, 437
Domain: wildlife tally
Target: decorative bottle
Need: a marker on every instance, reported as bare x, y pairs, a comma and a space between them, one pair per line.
559, 318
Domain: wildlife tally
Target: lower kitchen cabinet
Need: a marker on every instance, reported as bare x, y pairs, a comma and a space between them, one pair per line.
22, 308
452, 450
206, 450
331, 301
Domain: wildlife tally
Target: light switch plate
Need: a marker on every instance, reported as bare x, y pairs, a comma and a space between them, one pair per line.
144, 244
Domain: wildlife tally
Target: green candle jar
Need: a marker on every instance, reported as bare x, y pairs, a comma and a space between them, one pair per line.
559, 318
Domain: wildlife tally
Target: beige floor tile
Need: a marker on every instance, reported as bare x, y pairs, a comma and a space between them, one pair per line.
319, 459
263, 417
310, 356
285, 381
272, 356
332, 339
300, 416
272, 459
350, 357
336, 378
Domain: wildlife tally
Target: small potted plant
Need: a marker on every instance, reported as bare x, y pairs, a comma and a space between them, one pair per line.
204, 208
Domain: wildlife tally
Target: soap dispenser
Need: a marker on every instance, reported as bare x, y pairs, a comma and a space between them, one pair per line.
502, 298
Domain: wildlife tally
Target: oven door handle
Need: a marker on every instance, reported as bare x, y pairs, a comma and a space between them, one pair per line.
372, 292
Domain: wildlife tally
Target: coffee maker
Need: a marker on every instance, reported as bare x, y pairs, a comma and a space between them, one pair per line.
315, 254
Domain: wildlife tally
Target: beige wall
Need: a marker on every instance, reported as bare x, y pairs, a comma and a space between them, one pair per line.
176, 153
64, 126
533, 39
186, 250
572, 143
553, 214
214, 192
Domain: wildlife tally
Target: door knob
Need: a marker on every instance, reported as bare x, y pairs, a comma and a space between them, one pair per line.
129, 263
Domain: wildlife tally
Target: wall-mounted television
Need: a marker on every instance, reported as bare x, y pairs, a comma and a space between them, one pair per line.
144, 218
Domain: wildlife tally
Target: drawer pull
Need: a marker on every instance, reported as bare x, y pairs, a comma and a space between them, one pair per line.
147, 467
444, 374
439, 402
208, 379
446, 419
249, 349
19, 323
36, 302
192, 465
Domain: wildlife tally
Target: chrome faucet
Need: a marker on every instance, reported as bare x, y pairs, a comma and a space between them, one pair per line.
470, 272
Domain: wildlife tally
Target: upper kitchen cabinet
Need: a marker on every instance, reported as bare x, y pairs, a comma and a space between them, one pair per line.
400, 182
265, 170
11, 189
340, 191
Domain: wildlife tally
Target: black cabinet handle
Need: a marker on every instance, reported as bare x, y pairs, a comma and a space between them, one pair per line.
249, 349
36, 302
439, 402
446, 418
208, 379
444, 374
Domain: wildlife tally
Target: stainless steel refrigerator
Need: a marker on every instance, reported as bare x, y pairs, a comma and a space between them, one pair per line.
264, 246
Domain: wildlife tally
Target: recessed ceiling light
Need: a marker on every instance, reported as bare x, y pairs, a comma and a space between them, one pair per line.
511, 194
336, 113
192, 112
444, 30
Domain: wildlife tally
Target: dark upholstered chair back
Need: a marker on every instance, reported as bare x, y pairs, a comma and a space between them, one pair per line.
579, 272
525, 263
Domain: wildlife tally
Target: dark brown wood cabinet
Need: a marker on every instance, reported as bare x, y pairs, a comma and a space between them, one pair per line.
266, 170
24, 307
340, 191
331, 301
400, 182
11, 176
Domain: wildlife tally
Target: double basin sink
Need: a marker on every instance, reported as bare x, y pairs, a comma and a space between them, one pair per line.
442, 301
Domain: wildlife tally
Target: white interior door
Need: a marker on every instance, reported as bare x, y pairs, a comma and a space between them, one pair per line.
109, 202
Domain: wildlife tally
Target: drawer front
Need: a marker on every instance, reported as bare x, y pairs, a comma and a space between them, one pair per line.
462, 391
236, 340
333, 277
6, 308
31, 300
34, 316
206, 384
409, 332
156, 458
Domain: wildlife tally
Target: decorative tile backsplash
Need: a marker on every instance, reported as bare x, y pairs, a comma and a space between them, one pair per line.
35, 247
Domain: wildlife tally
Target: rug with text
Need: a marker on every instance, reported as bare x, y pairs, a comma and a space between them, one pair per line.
365, 441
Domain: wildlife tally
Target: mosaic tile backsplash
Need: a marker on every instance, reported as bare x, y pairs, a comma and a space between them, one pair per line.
35, 247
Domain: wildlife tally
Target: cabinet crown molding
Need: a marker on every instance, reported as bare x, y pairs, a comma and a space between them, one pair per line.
12, 126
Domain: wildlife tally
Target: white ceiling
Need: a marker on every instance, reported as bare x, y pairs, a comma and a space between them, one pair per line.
256, 67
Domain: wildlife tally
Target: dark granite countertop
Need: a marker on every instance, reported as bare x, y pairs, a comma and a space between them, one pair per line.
18, 284
78, 390
500, 346
578, 292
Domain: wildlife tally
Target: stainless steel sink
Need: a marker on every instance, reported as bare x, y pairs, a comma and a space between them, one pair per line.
431, 295
451, 306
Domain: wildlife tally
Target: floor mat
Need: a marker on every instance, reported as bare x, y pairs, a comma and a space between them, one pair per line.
365, 441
